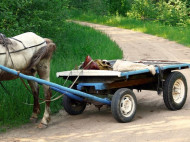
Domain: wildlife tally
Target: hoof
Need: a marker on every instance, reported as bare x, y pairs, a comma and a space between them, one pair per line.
33, 119
42, 126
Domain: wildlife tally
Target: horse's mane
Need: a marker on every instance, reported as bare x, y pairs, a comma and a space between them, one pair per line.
4, 40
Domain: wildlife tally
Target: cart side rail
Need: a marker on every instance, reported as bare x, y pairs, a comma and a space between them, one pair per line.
170, 67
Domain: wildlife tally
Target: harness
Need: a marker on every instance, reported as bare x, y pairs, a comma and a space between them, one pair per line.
3, 38
4, 44
7, 49
8, 53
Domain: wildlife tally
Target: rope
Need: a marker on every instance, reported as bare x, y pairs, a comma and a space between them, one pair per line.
51, 100
72, 83
80, 73
40, 102
22, 80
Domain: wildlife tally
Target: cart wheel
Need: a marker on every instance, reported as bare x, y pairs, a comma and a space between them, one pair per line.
73, 107
175, 91
123, 105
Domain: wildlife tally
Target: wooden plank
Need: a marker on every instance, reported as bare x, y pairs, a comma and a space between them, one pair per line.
88, 73
128, 83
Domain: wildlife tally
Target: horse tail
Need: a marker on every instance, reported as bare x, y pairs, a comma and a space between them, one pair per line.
43, 53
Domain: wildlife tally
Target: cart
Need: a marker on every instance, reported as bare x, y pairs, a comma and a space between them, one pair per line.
113, 88
116, 88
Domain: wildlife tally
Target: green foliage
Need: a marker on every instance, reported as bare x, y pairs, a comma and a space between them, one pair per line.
173, 12
74, 42
99, 7
31, 15
143, 9
102, 7
119, 7
179, 34
170, 12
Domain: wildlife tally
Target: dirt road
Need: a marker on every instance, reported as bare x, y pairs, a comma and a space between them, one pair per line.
153, 122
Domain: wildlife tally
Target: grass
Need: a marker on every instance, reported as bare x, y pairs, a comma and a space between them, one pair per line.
179, 34
74, 43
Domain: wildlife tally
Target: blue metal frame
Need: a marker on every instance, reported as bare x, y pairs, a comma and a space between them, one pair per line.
41, 81
102, 86
97, 86
176, 66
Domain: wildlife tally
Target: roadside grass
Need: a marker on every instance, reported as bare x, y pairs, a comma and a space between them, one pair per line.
180, 34
74, 43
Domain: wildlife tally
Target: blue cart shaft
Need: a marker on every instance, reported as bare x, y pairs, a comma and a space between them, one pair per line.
41, 81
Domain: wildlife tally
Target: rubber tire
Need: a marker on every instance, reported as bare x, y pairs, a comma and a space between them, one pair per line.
78, 107
167, 91
115, 105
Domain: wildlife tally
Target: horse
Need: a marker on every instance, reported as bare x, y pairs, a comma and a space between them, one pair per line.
29, 54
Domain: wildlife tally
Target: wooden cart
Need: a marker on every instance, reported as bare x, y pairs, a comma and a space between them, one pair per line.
117, 87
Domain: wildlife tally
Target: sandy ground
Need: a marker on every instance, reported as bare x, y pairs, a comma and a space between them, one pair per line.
153, 122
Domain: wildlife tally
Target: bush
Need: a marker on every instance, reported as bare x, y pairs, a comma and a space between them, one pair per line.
119, 7
143, 9
173, 12
39, 16
99, 7
102, 7
170, 12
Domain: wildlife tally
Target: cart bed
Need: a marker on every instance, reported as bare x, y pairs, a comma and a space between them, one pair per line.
163, 65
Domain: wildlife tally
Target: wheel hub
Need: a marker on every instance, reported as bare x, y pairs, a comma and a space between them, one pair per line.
126, 105
178, 91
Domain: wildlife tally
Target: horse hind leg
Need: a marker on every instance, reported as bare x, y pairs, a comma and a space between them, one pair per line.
36, 108
41, 61
43, 69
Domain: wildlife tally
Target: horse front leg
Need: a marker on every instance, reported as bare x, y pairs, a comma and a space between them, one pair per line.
36, 108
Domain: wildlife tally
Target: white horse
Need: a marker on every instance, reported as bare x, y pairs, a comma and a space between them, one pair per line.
29, 54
